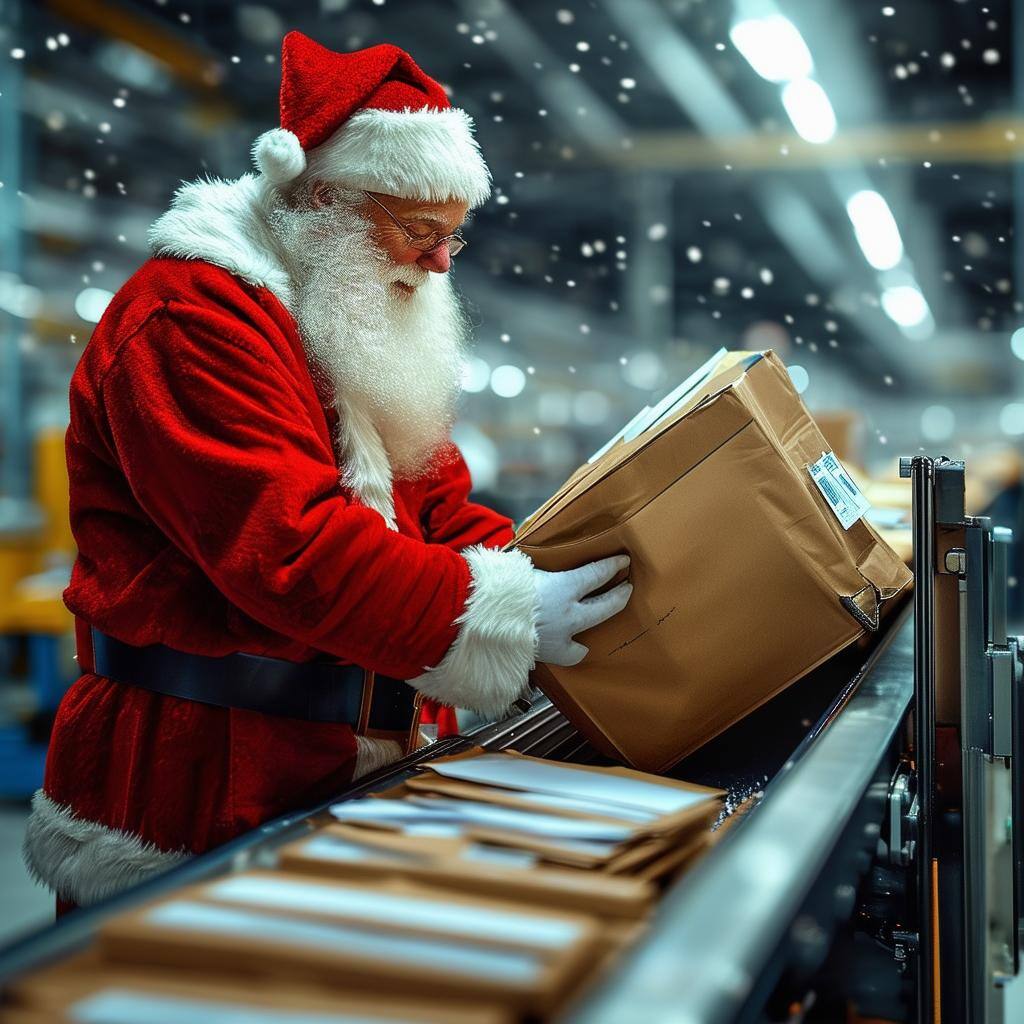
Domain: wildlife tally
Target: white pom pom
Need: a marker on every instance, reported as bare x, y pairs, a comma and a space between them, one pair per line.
278, 155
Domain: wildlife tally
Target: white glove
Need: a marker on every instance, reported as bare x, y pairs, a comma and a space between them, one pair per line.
565, 610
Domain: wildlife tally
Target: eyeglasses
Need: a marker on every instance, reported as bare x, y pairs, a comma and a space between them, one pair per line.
424, 243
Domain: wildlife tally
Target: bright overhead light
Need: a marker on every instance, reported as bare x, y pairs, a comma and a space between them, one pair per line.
905, 305
875, 228
938, 423
19, 299
507, 381
476, 374
1017, 343
1011, 419
800, 378
809, 109
91, 302
773, 47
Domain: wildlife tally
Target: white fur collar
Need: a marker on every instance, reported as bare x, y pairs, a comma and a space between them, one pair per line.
225, 223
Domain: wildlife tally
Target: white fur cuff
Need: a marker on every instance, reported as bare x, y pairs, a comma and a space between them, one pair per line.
488, 665
373, 754
83, 861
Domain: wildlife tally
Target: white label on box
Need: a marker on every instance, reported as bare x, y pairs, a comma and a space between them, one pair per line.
838, 489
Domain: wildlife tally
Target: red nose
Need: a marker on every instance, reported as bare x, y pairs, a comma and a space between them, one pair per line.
438, 260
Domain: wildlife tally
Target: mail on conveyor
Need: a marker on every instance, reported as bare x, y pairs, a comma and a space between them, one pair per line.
750, 557
498, 883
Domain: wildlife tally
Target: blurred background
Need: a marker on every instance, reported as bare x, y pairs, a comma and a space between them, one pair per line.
838, 180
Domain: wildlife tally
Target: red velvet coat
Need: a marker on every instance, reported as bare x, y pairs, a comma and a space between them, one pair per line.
206, 504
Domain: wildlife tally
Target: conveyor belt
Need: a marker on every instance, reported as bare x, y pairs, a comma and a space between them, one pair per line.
812, 750
717, 946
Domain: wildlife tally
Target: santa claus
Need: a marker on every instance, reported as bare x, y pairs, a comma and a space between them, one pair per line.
277, 556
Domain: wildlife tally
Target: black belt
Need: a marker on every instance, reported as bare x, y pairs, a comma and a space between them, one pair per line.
314, 691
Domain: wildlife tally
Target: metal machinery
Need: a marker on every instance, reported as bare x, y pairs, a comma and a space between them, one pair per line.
877, 872
963, 829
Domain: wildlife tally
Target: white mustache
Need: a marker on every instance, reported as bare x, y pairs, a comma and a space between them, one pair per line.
408, 274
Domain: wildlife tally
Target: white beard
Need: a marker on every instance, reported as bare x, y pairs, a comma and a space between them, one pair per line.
393, 360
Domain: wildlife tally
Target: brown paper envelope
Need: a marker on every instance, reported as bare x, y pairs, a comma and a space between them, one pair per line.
697, 815
548, 850
59, 986
509, 837
674, 862
621, 771
352, 966
549, 887
400, 887
429, 782
667, 823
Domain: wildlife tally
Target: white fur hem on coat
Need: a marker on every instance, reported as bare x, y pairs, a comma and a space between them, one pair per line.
86, 862
488, 665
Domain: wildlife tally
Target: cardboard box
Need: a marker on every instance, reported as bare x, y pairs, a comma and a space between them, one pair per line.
744, 578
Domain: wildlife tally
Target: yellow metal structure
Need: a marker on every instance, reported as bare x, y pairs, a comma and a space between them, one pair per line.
30, 599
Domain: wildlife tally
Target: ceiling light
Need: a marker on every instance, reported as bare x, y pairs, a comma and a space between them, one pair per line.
773, 47
875, 228
808, 107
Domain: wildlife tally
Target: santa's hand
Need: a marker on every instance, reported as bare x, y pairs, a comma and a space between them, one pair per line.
563, 608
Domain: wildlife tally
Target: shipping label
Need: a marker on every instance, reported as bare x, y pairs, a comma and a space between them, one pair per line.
844, 497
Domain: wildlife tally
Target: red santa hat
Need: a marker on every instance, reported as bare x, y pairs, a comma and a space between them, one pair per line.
372, 120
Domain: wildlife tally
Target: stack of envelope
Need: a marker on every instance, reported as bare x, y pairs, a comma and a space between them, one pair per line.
488, 887
571, 836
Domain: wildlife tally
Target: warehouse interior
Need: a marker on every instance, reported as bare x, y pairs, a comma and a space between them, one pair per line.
838, 181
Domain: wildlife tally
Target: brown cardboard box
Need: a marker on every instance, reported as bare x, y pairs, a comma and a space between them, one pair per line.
744, 579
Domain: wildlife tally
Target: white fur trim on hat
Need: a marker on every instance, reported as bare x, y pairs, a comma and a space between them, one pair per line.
279, 155
417, 154
83, 861
488, 665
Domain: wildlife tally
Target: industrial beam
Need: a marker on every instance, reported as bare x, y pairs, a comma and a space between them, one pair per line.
996, 141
